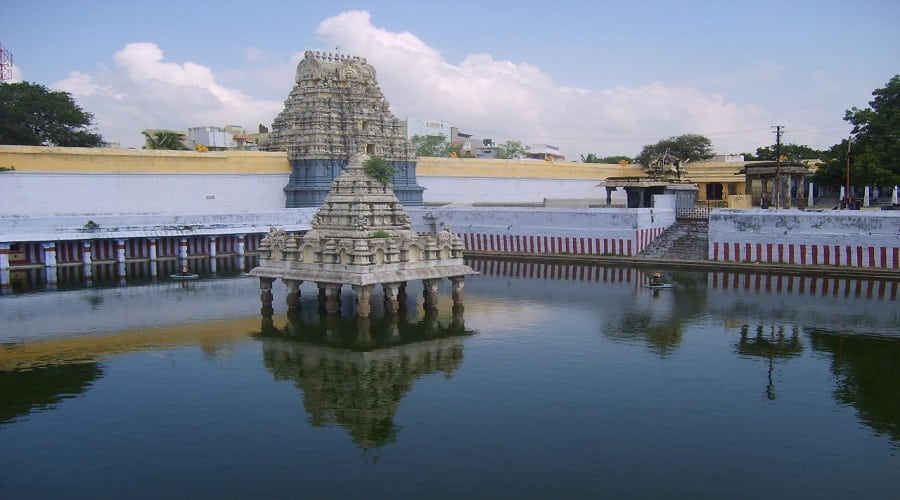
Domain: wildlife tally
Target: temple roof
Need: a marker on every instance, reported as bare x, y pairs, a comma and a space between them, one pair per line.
361, 235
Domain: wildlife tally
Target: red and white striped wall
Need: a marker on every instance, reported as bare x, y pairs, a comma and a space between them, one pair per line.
547, 271
541, 244
804, 285
885, 257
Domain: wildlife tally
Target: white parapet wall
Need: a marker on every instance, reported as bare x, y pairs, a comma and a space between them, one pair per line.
449, 189
47, 193
836, 237
593, 231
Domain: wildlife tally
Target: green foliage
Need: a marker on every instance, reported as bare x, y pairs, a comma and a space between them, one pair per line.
612, 160
875, 149
380, 169
792, 152
7, 169
685, 148
32, 115
380, 234
431, 145
510, 150
164, 139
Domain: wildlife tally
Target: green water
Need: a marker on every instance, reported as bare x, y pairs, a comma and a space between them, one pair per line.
553, 382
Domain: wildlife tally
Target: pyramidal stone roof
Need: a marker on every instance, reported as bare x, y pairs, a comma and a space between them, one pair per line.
361, 235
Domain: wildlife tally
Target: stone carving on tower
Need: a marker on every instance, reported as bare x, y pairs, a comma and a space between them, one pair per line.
334, 111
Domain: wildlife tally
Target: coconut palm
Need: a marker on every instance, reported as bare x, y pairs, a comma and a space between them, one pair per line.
164, 139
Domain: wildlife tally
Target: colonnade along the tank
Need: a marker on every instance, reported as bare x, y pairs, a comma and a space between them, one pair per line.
394, 295
53, 256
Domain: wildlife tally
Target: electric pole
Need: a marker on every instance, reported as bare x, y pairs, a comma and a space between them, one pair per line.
848, 198
777, 165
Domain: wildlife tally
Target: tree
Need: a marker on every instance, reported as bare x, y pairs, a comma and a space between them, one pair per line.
380, 169
791, 152
592, 158
164, 139
875, 148
32, 115
510, 150
683, 148
435, 145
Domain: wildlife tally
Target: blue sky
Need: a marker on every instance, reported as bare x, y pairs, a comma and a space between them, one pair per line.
600, 77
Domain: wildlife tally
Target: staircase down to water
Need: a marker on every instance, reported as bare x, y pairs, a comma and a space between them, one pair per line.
684, 240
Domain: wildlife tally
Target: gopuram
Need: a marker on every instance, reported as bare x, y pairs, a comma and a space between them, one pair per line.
361, 236
335, 110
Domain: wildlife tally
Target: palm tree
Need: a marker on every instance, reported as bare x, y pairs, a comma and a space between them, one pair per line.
164, 139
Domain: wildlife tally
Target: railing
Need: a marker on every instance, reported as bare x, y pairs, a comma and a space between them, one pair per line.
699, 210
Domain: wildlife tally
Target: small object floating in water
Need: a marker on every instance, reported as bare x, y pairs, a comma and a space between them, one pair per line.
656, 281
184, 276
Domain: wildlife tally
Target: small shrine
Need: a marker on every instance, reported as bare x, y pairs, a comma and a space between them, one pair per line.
775, 184
361, 236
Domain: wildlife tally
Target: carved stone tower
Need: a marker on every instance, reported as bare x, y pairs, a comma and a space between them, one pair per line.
334, 111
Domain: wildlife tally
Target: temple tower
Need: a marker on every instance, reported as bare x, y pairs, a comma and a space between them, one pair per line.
334, 111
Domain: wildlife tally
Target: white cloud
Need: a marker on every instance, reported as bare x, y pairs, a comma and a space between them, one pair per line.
144, 91
508, 100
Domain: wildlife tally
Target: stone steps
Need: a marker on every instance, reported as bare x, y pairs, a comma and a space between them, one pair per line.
684, 240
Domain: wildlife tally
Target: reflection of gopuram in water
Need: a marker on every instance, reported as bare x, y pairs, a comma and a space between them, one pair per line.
354, 372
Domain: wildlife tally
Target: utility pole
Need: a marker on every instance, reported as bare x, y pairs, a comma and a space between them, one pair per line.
777, 165
848, 198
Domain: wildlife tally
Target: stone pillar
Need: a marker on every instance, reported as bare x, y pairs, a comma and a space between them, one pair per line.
153, 270
5, 282
866, 197
240, 245
810, 200
49, 254
212, 247
459, 282
120, 273
50, 276
86, 253
332, 298
322, 296
363, 331
801, 192
363, 304
87, 274
785, 191
609, 192
120, 251
391, 292
152, 244
183, 248
393, 326
458, 321
4, 256
293, 293
401, 294
429, 292
265, 295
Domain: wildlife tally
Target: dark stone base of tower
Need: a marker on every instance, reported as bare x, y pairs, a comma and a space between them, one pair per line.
311, 179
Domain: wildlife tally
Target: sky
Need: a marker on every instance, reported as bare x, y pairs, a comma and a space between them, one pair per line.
588, 76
